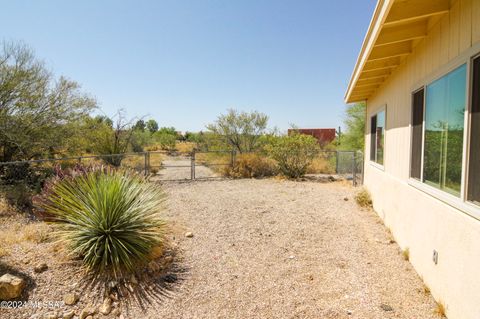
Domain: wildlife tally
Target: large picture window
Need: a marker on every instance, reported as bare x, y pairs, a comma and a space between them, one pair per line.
444, 121
445, 140
377, 137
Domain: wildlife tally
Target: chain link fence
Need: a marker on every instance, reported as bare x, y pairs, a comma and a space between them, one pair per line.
169, 166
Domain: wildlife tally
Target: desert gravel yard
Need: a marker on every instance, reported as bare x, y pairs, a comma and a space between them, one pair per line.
282, 249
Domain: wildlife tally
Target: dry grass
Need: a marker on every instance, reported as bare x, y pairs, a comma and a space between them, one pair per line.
363, 198
406, 254
321, 165
214, 158
251, 166
426, 290
15, 229
440, 309
185, 147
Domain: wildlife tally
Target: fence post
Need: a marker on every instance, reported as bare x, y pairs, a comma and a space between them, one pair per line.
145, 157
336, 162
354, 172
192, 166
232, 162
148, 161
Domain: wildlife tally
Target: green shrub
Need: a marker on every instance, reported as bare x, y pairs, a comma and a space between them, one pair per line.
293, 153
363, 198
167, 141
252, 165
109, 218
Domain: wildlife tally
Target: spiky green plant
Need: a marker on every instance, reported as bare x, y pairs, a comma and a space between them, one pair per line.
111, 219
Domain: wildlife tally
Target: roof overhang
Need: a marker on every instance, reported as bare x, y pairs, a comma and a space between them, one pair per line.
397, 26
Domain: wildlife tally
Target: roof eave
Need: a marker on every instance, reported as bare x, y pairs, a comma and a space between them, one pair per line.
380, 14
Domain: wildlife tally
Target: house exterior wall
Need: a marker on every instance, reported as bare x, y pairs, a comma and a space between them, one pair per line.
419, 221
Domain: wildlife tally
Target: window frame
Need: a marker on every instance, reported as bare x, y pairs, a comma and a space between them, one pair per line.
375, 114
422, 150
461, 203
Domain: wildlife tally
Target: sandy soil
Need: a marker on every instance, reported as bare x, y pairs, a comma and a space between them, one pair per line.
260, 249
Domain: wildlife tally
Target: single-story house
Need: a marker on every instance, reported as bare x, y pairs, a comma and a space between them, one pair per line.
324, 136
419, 72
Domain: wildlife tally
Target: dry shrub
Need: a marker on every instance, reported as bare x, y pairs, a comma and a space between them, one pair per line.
36, 232
252, 166
320, 165
153, 148
440, 309
20, 233
363, 198
406, 254
4, 206
18, 195
185, 147
4, 251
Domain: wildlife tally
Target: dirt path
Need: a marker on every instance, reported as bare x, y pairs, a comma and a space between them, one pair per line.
277, 249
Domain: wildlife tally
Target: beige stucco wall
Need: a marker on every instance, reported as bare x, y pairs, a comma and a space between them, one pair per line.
419, 221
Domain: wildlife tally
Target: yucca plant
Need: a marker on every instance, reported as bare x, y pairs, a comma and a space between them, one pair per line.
109, 218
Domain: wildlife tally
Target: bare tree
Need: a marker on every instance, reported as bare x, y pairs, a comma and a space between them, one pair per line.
240, 130
113, 137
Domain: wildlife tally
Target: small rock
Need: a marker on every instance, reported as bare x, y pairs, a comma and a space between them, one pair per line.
113, 296
153, 266
68, 314
349, 312
116, 312
189, 234
11, 287
291, 257
167, 261
70, 299
50, 315
87, 312
40, 268
386, 307
345, 199
106, 307
133, 280
112, 284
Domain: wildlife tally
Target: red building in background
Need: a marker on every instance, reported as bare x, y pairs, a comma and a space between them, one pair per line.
323, 135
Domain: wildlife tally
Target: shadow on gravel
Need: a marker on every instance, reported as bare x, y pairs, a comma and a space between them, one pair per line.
149, 286
30, 283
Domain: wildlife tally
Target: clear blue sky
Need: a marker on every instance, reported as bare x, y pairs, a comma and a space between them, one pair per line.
185, 62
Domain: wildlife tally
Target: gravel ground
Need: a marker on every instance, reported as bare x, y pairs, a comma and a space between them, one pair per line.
281, 249
260, 249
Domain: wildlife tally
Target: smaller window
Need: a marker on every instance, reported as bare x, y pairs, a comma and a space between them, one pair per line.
377, 137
